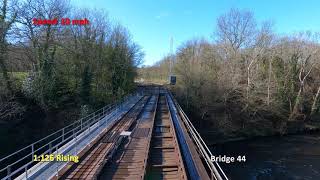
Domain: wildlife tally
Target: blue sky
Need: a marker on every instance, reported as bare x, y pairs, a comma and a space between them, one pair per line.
152, 22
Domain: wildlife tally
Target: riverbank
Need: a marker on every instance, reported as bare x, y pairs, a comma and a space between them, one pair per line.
216, 137
289, 157
33, 125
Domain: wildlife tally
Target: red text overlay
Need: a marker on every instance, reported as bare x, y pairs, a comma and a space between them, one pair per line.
63, 21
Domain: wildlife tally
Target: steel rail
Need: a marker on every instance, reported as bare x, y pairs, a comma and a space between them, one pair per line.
149, 137
76, 128
209, 154
144, 119
109, 151
175, 137
216, 173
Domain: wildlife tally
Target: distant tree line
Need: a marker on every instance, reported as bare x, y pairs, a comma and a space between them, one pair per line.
157, 73
247, 80
57, 66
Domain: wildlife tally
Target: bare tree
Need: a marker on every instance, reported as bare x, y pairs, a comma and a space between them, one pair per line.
7, 18
307, 63
249, 77
42, 38
236, 28
314, 107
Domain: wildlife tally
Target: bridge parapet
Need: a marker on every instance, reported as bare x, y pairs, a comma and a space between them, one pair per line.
82, 136
70, 139
193, 146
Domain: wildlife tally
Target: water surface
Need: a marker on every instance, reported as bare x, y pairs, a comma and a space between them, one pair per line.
294, 157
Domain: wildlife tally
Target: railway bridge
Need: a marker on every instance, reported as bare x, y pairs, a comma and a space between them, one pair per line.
144, 136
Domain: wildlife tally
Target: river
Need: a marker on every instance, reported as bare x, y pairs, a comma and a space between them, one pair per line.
294, 157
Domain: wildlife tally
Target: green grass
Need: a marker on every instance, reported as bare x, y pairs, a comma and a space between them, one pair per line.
19, 77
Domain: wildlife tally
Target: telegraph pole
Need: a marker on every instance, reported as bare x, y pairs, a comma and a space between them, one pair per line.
172, 78
171, 56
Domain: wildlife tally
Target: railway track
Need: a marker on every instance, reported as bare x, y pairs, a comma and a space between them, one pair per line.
130, 161
150, 152
90, 166
142, 141
165, 160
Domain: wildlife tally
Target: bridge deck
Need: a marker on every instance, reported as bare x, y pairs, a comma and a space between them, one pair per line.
130, 162
165, 161
146, 139
151, 151
47, 170
91, 165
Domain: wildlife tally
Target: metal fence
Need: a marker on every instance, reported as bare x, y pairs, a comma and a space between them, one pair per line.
216, 171
20, 161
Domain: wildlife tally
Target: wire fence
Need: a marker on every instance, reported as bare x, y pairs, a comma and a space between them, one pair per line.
20, 161
216, 171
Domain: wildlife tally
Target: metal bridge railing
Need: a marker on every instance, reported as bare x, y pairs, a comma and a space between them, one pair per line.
20, 161
216, 171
